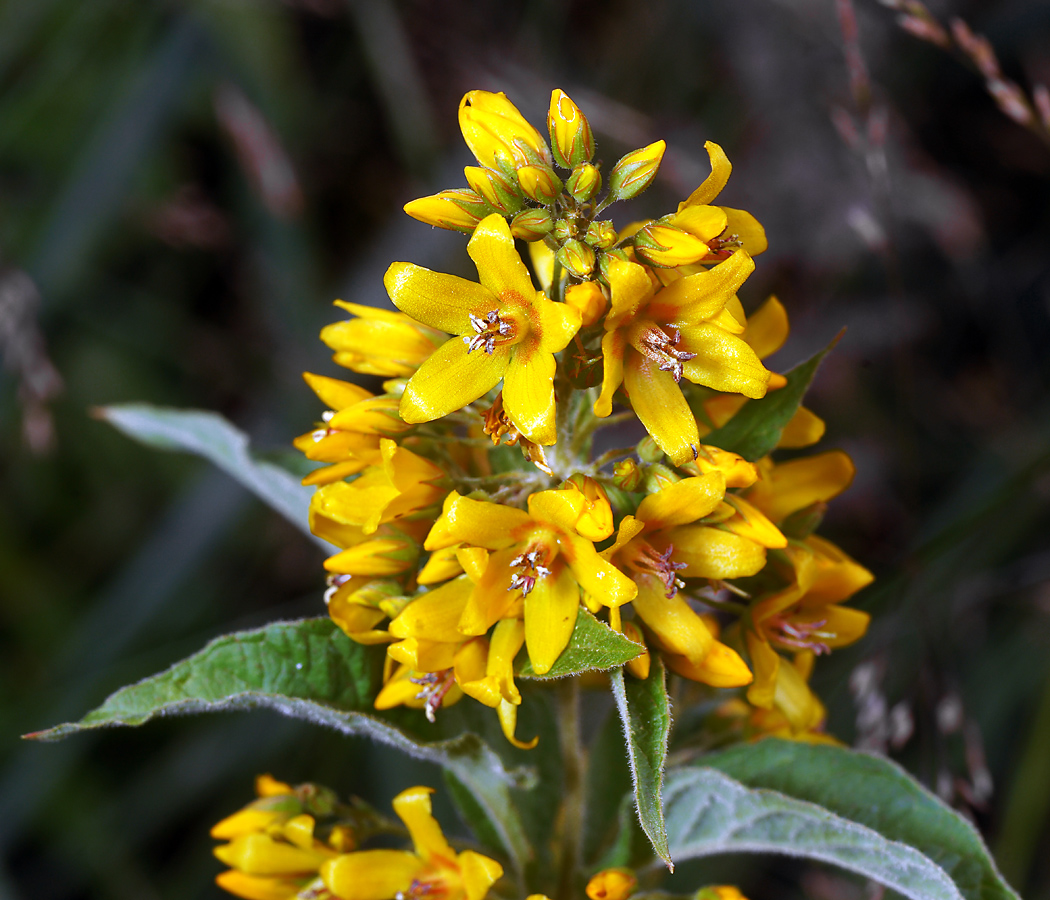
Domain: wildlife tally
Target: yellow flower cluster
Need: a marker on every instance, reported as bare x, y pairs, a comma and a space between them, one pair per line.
464, 561
274, 851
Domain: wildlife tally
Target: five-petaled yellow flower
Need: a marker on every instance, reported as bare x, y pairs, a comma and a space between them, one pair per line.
506, 330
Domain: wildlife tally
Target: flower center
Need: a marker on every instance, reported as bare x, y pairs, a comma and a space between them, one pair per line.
434, 687
534, 564
799, 635
489, 330
662, 348
646, 559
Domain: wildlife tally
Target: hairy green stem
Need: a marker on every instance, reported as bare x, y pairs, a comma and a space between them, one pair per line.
574, 766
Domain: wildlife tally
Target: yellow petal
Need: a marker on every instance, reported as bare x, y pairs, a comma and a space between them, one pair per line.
767, 328
766, 663
478, 872
700, 296
682, 502
528, 394
380, 557
658, 402
507, 638
508, 720
836, 576
377, 415
599, 578
711, 552
713, 184
500, 268
358, 622
491, 125
704, 222
413, 808
555, 323
675, 626
723, 361
722, 667
336, 394
476, 522
804, 429
614, 343
630, 288
439, 300
750, 523
435, 615
441, 566
588, 299
550, 615
254, 887
458, 210
747, 230
492, 598
259, 854
371, 874
542, 258
450, 379
796, 701
246, 821
794, 485
423, 655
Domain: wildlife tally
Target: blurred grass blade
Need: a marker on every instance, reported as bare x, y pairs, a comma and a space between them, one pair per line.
209, 435
867, 792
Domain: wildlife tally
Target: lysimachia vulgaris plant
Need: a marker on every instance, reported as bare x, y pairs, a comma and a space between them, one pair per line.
516, 598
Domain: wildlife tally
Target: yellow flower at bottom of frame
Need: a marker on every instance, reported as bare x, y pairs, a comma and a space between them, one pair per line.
539, 556
431, 869
655, 337
505, 331
612, 884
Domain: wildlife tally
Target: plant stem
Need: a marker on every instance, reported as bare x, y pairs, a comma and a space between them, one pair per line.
574, 766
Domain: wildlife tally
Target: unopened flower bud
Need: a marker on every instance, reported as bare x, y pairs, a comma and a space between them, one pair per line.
531, 224
563, 230
635, 171
588, 298
577, 257
601, 235
648, 452
584, 182
595, 519
627, 474
456, 210
658, 477
571, 138
666, 246
499, 192
539, 182
492, 126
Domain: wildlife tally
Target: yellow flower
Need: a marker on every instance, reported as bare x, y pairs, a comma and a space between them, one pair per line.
402, 485
805, 615
507, 330
432, 869
612, 884
380, 341
457, 210
494, 129
785, 488
655, 337
353, 425
543, 555
766, 331
571, 136
663, 543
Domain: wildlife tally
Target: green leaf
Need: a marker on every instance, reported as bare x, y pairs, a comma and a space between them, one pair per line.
594, 646
646, 716
310, 670
709, 813
755, 429
209, 435
875, 793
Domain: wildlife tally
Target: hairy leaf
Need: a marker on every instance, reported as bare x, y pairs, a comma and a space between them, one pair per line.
646, 716
310, 670
594, 646
209, 435
874, 792
755, 429
709, 813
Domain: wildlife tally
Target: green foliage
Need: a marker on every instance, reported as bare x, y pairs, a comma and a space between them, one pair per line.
210, 436
646, 716
594, 646
755, 430
875, 793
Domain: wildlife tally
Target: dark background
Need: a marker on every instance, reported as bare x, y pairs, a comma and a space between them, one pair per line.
185, 188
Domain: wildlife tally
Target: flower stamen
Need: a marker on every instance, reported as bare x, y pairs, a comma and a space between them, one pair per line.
435, 686
647, 559
532, 564
800, 635
489, 329
661, 348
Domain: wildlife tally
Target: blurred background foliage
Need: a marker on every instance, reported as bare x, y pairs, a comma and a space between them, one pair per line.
186, 186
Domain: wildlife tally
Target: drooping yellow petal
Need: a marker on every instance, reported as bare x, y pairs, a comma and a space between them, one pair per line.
675, 626
550, 616
450, 379
508, 720
682, 502
767, 328
722, 667
630, 288
659, 404
702, 295
500, 268
614, 344
750, 523
371, 874
766, 663
713, 184
413, 808
723, 361
528, 394
836, 576
599, 578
